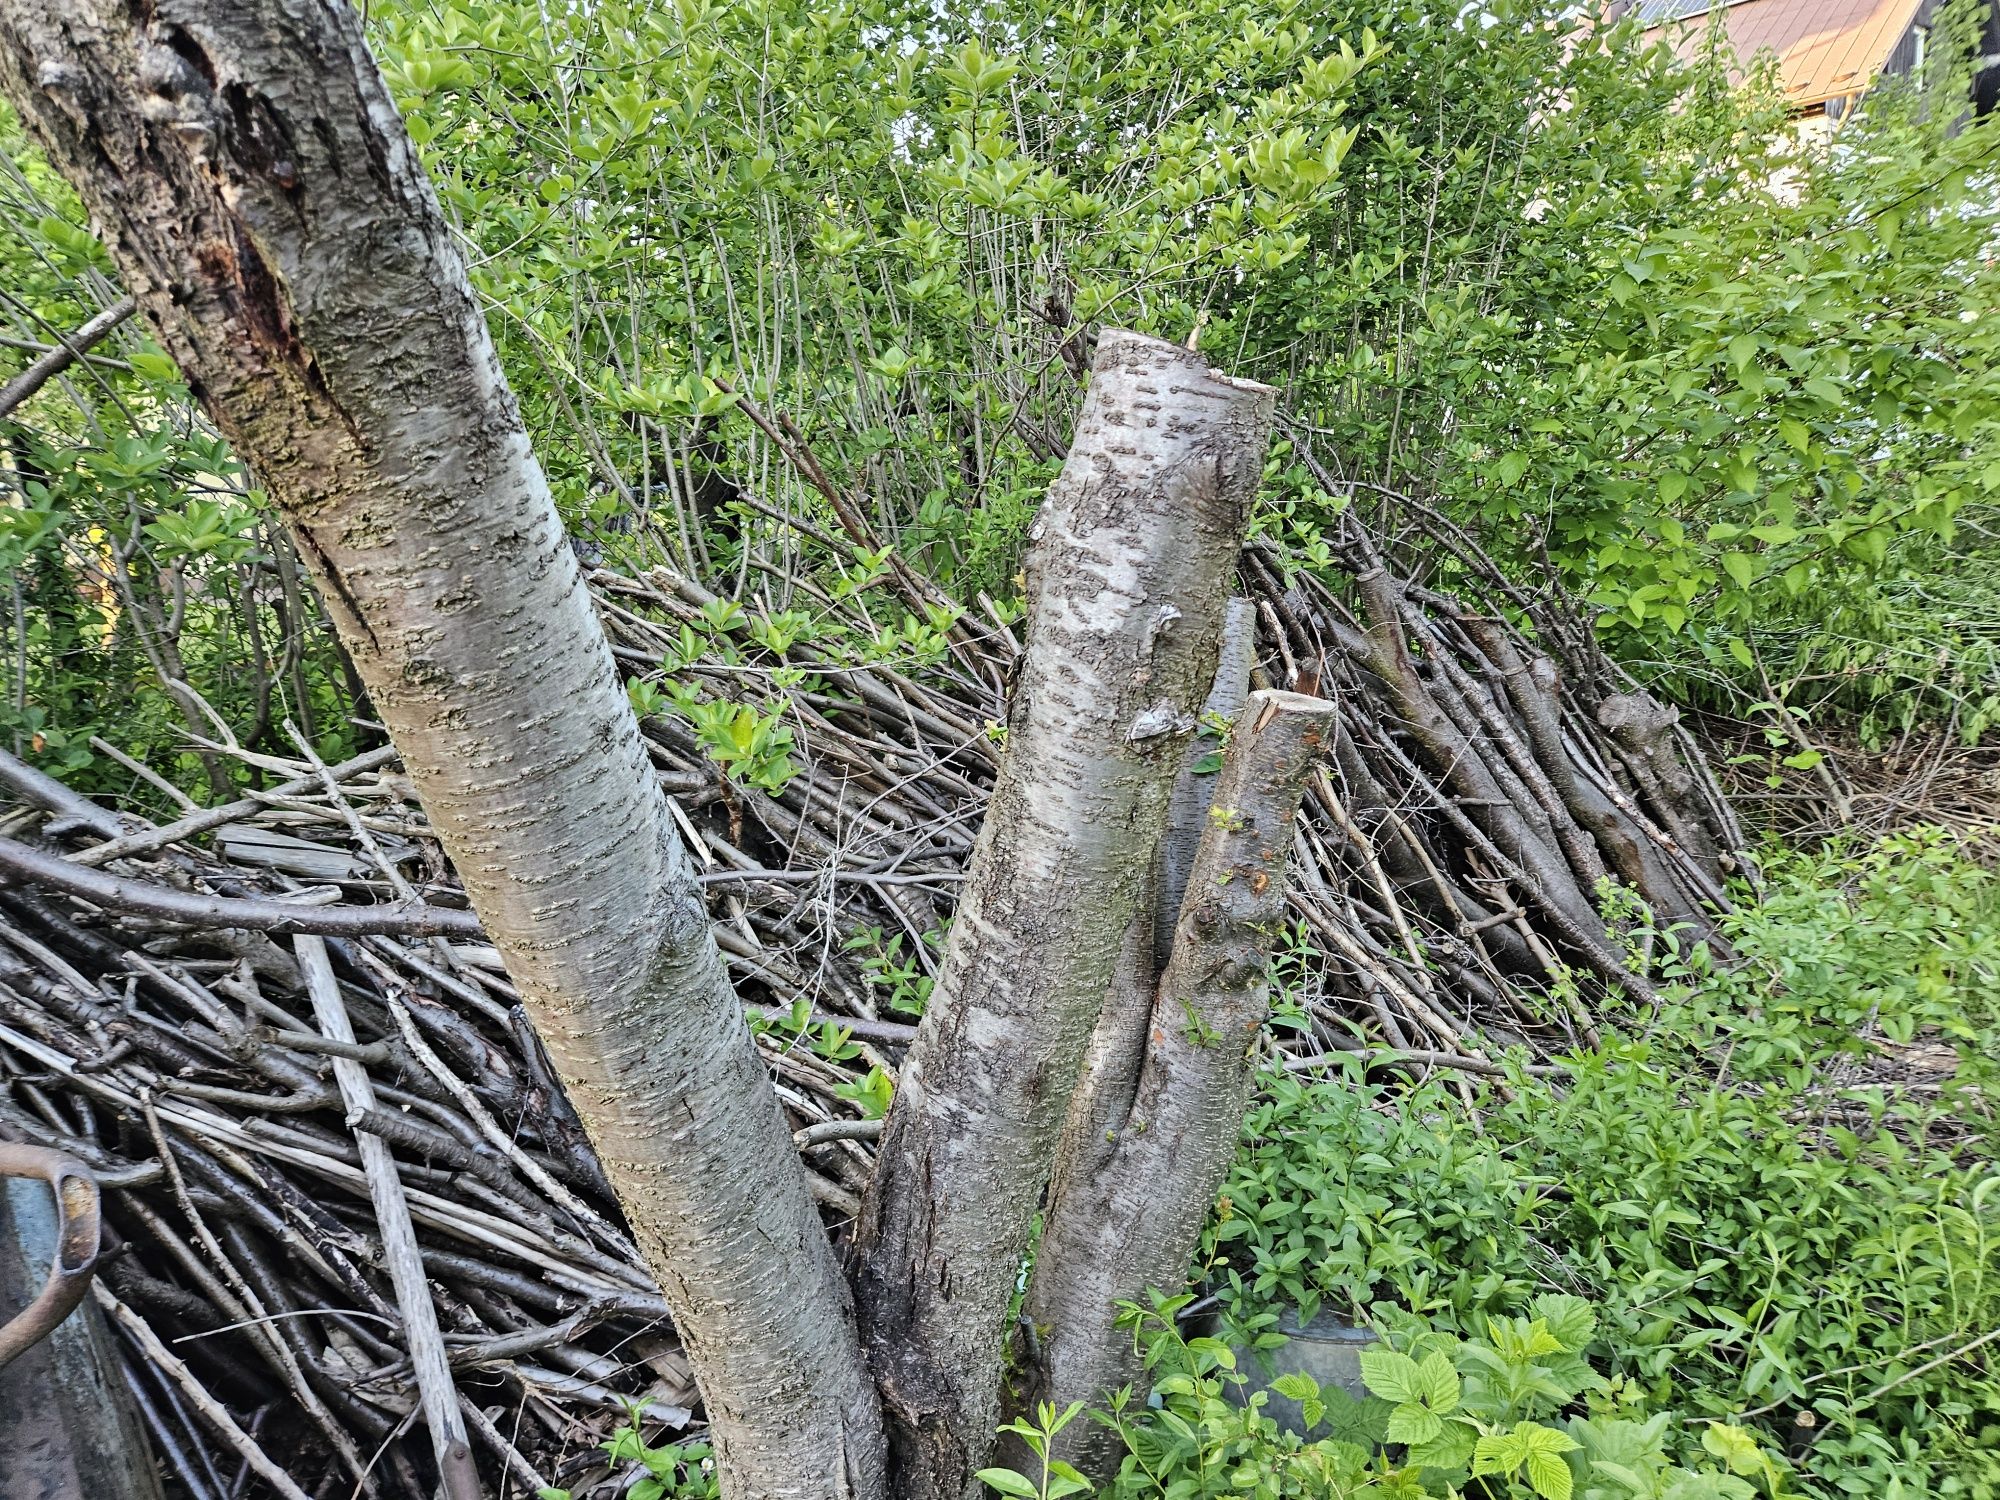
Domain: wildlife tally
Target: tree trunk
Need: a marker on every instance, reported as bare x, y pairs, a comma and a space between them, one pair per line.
1133, 1200
1130, 561
250, 175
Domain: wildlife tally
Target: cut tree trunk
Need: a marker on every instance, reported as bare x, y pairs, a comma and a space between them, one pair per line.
1128, 572
248, 171
1132, 1200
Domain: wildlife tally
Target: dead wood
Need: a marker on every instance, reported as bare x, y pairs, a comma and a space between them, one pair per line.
1438, 880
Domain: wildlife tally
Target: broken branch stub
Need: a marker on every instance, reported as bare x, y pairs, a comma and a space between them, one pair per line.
1128, 1223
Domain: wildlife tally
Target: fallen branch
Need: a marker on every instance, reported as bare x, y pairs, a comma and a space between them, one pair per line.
113, 893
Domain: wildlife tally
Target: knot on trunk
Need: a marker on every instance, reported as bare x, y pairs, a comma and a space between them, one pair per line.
1638, 721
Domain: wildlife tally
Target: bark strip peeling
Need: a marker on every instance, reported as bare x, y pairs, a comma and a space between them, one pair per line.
1129, 1223
249, 173
1128, 571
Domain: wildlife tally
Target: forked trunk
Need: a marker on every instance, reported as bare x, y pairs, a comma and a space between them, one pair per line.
1136, 1190
1130, 563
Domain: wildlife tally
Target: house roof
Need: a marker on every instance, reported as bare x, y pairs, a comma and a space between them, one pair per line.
1826, 49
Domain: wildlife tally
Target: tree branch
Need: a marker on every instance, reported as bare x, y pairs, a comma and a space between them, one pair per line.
66, 353
114, 893
1131, 1225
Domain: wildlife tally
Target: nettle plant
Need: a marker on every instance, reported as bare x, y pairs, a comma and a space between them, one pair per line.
1515, 1410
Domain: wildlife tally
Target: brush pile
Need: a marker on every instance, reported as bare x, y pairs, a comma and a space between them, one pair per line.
1492, 770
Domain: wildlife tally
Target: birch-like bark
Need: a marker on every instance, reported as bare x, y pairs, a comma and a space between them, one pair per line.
1127, 573
1130, 1223
249, 173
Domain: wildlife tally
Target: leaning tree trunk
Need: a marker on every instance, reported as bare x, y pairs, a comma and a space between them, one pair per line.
1129, 567
251, 177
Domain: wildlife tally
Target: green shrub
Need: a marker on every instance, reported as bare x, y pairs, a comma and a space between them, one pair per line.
1778, 1192
1445, 1415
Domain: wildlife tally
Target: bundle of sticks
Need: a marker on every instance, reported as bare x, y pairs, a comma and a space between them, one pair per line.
275, 1033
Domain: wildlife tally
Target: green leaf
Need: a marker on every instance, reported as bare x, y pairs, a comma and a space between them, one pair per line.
1549, 1476
1437, 1383
1498, 1453
154, 366
1007, 1482
1391, 1375
1295, 1387
1451, 1449
1365, 1421
1571, 1320
1410, 1423
1735, 1446
1741, 568
1508, 471
1539, 1439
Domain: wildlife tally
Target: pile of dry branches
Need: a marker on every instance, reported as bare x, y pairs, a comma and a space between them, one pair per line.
273, 1114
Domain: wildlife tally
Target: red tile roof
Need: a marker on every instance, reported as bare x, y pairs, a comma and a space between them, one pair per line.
1827, 49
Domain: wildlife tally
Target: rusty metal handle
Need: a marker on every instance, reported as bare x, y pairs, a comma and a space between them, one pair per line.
76, 1242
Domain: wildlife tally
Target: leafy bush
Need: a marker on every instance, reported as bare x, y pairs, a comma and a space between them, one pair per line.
1506, 268
1445, 1415
1778, 1192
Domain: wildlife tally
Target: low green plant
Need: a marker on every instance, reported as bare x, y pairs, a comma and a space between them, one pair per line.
897, 980
752, 747
1513, 1410
674, 1471
1056, 1478
871, 1094
1777, 1192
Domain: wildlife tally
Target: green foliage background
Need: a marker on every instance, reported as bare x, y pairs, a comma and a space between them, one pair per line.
1583, 297
1588, 300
